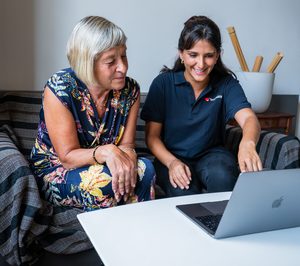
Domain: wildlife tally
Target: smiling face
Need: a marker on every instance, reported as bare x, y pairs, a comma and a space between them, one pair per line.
111, 68
199, 61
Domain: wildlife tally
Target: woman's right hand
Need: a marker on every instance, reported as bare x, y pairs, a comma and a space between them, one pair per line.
179, 174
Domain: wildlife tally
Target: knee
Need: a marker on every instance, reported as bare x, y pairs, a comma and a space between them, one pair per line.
220, 179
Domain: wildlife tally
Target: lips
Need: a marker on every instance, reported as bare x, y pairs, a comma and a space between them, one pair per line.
199, 72
119, 78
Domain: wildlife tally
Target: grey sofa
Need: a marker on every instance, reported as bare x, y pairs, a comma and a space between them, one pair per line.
32, 228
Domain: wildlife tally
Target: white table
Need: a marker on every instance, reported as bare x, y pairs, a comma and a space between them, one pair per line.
155, 233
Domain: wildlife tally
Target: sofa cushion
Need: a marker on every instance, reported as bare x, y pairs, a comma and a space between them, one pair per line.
276, 150
20, 110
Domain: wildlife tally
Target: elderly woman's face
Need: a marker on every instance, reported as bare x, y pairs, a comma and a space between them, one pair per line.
111, 68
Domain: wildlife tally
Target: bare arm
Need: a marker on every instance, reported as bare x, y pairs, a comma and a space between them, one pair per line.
63, 134
179, 173
247, 155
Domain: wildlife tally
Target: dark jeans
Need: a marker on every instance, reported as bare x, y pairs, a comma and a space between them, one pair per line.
214, 171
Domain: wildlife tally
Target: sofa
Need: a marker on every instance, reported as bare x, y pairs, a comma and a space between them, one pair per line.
32, 230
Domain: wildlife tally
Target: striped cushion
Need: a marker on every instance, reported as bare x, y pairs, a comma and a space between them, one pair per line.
20, 109
276, 151
140, 143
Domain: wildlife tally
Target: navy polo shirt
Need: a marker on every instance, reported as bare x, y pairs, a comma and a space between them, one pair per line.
191, 126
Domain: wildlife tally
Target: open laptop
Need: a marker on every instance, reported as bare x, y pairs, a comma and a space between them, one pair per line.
260, 201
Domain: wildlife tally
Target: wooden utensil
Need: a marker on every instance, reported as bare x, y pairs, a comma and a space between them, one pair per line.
257, 63
237, 48
276, 60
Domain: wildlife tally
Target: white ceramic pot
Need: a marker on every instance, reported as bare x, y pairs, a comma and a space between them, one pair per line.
258, 88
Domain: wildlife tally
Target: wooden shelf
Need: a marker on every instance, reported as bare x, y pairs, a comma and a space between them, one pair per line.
274, 121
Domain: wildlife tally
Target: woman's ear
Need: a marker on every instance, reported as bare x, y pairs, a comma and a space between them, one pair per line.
180, 54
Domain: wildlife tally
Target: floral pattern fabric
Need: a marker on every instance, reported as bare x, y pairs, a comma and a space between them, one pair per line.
86, 187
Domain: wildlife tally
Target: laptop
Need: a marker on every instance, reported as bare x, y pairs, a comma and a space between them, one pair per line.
260, 201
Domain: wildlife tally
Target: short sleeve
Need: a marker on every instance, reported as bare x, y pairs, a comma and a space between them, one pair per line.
234, 99
63, 84
153, 109
133, 91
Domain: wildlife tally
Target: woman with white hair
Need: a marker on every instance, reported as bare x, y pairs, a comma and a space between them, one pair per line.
84, 153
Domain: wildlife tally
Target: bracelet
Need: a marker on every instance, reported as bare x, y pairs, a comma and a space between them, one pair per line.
94, 154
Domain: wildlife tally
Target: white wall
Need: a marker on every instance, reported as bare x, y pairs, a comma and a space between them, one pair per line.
33, 35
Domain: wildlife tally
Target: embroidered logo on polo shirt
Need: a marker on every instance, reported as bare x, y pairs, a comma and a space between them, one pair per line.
207, 99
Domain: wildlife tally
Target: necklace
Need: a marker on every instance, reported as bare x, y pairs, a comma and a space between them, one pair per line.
101, 104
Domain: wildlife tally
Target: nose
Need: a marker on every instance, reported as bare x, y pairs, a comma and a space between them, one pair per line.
200, 62
122, 66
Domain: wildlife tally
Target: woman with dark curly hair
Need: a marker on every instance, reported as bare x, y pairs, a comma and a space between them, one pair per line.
186, 112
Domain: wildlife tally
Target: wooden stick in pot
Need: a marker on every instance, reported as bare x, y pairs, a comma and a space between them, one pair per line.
257, 63
237, 48
276, 60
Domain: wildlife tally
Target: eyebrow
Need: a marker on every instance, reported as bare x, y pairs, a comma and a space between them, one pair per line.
108, 57
112, 56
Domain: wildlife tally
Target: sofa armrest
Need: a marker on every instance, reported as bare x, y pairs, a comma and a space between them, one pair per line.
276, 150
28, 223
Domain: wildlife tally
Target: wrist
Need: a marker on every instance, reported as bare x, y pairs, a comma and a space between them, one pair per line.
94, 155
102, 151
127, 149
245, 142
170, 162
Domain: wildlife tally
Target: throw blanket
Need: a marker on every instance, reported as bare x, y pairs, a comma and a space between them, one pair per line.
29, 225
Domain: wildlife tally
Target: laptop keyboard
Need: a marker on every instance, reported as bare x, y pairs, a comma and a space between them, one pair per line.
210, 221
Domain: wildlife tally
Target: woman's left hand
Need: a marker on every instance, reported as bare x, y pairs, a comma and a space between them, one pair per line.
248, 157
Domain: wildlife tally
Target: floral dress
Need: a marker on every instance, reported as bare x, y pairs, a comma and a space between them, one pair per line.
87, 187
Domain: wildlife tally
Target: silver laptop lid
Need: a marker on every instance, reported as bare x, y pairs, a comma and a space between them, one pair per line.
262, 201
